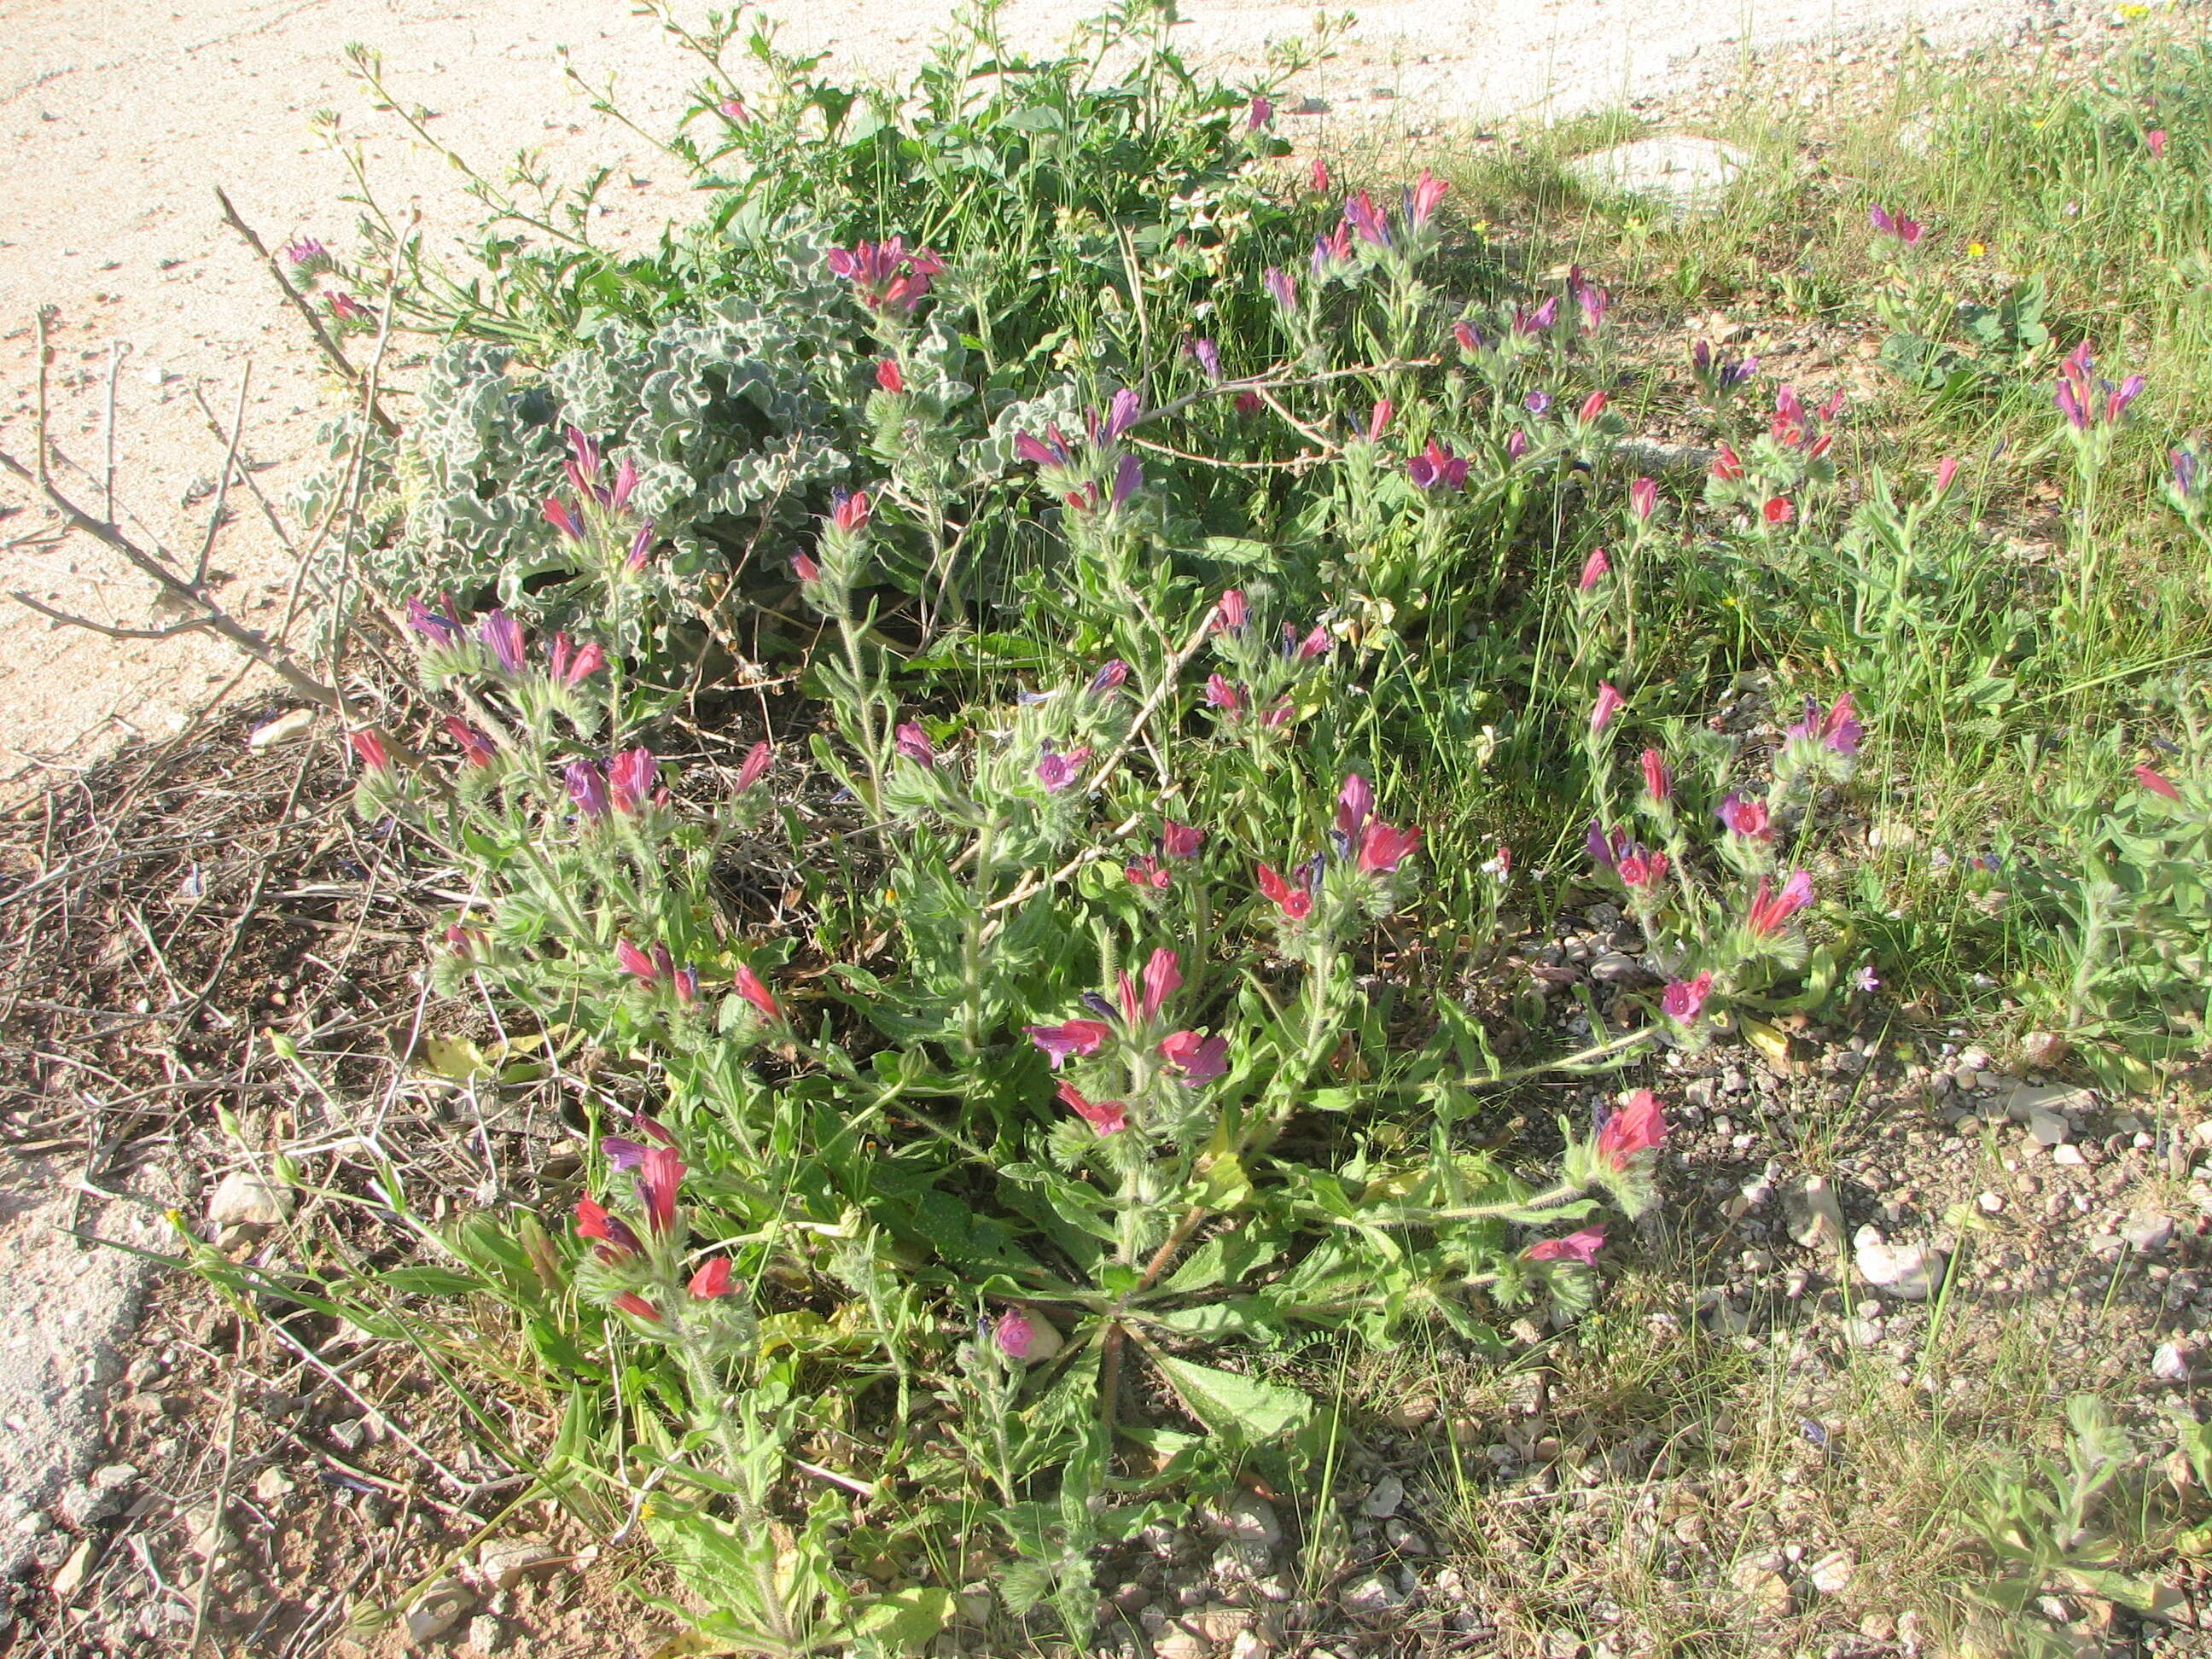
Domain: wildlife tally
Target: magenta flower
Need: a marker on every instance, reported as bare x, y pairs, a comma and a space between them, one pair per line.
1609, 703
440, 627
1261, 111
636, 964
912, 742
1582, 1247
1051, 450
1684, 1000
569, 666
1638, 1127
1209, 358
370, 747
1437, 467
1196, 1060
1594, 569
1517, 445
504, 635
1230, 611
1640, 866
1378, 420
587, 788
1469, 337
850, 510
1840, 729
884, 276
1128, 479
1316, 642
1907, 231
890, 376
1107, 1116
1593, 406
476, 744
630, 777
1015, 1333
347, 309
1124, 412
1331, 250
1073, 1037
1366, 220
1055, 771
1946, 471
309, 257
1527, 323
616, 1238
1746, 817
1279, 282
1111, 676
1537, 402
1593, 300
1771, 910
1149, 872
641, 549
1643, 497
1220, 694
1181, 840
562, 517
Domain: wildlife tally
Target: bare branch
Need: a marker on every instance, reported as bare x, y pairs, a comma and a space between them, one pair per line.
196, 626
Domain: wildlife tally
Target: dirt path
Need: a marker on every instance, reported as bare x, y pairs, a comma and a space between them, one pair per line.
116, 122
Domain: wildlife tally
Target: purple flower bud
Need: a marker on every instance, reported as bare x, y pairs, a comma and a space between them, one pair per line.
587, 788
1280, 283
1124, 412
1128, 478
1209, 358
641, 547
504, 635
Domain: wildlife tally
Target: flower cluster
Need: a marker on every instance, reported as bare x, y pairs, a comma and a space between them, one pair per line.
1351, 876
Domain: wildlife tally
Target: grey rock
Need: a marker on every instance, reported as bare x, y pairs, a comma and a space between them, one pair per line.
1685, 174
2148, 1230
506, 1566
438, 1610
1247, 1518
1910, 1272
2027, 1099
1815, 1220
1374, 1599
1384, 1497
244, 1199
2173, 1362
1832, 1574
2048, 1129
487, 1634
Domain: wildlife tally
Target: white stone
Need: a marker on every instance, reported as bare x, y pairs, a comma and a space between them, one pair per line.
1373, 1599
1815, 1220
1832, 1574
1908, 1271
1688, 175
288, 727
2148, 1230
1249, 1519
244, 1199
1384, 1497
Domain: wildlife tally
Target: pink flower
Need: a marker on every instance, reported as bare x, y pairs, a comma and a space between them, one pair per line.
1770, 910
749, 987
712, 1279
1470, 339
637, 1306
1107, 1116
1199, 1059
850, 510
1838, 729
587, 788
1318, 177
889, 377
658, 1176
571, 666
734, 110
1382, 848
1658, 782
2155, 140
1149, 872
641, 547
1641, 867
1316, 642
1727, 467
1581, 1247
1378, 420
804, 568
755, 766
616, 1239
1163, 979
1907, 231
2157, 783
1609, 703
1230, 611
636, 962
884, 276
1638, 1127
1423, 199
1076, 1037
1295, 902
1355, 805
1684, 999
1220, 694
1643, 497
912, 742
369, 745
630, 777
1014, 1334
1181, 840
1777, 510
1593, 406
1946, 470
1746, 817
1283, 286
1594, 569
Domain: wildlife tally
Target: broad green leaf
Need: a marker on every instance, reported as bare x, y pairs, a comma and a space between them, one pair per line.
1229, 1404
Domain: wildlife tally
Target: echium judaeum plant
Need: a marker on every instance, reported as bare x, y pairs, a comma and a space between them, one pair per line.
1032, 1082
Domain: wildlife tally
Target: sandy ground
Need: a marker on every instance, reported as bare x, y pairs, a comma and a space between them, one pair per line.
117, 122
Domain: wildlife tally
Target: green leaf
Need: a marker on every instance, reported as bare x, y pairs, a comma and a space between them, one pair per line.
907, 1620
1241, 1406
